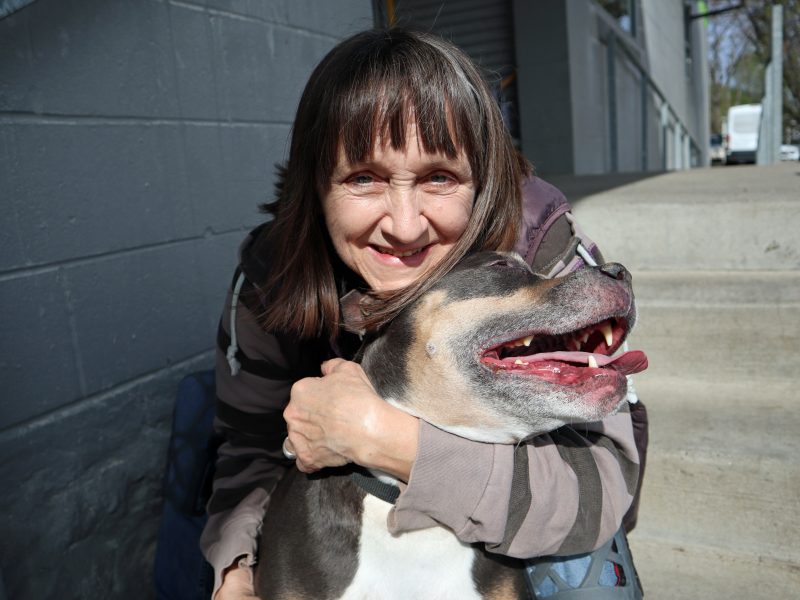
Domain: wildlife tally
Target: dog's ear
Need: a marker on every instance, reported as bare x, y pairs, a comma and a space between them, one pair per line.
352, 314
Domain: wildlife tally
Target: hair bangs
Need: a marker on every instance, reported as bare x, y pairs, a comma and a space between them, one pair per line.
433, 97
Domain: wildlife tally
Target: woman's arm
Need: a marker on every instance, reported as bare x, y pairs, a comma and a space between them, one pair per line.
561, 493
339, 418
250, 461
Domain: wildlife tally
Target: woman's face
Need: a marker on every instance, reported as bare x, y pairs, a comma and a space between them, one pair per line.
398, 213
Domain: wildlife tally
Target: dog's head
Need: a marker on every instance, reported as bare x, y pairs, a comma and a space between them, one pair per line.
496, 353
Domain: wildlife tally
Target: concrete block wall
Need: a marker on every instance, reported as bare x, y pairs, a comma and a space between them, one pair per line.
136, 139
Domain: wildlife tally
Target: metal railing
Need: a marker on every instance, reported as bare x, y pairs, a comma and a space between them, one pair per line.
685, 152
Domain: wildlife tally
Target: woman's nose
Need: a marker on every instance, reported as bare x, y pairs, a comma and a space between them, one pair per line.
404, 221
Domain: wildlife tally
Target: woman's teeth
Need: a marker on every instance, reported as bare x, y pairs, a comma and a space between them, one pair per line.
402, 254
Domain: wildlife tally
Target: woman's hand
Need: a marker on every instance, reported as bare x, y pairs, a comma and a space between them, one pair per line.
339, 418
237, 584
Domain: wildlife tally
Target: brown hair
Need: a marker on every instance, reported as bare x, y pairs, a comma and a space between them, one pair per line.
389, 79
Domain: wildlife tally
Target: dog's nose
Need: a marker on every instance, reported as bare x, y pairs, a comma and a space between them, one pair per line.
616, 271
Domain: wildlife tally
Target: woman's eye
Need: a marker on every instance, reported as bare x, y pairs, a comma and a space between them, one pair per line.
362, 179
440, 182
364, 182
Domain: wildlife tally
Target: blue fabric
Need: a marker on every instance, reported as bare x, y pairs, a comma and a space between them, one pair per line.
573, 570
180, 571
607, 573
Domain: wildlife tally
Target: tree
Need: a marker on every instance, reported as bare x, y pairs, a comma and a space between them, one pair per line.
736, 73
739, 50
758, 29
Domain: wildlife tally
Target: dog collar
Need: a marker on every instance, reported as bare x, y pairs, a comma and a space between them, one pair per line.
372, 485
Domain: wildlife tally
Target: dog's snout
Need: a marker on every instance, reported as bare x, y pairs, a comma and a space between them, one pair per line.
616, 271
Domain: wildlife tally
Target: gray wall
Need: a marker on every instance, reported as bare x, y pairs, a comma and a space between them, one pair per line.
607, 136
543, 84
577, 116
686, 88
136, 139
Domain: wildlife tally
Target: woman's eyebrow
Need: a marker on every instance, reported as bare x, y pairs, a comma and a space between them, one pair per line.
461, 168
443, 163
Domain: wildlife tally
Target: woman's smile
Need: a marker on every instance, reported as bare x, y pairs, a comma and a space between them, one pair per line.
407, 257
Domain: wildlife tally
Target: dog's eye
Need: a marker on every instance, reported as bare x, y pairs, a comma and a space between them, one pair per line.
505, 263
501, 262
509, 265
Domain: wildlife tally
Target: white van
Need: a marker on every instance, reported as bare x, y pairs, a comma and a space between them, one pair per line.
743, 123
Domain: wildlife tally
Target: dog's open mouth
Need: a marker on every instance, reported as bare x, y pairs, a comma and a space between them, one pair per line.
567, 358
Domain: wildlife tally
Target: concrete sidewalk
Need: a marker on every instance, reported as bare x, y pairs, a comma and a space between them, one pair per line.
715, 255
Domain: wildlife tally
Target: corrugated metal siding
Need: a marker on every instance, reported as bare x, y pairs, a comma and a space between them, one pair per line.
484, 29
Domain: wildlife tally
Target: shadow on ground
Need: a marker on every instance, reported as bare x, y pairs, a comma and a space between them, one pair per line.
578, 187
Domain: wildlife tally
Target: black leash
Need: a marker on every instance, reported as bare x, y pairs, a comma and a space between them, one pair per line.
372, 485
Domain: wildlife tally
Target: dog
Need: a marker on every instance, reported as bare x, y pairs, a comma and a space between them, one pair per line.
491, 352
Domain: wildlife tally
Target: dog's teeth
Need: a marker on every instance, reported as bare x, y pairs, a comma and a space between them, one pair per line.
605, 328
520, 362
584, 338
578, 345
592, 362
524, 341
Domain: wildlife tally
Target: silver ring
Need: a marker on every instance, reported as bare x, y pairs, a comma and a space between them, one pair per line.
286, 452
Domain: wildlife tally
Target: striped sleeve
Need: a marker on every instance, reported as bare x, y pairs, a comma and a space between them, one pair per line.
562, 493
250, 418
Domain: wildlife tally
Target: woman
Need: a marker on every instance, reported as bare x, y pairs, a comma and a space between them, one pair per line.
399, 166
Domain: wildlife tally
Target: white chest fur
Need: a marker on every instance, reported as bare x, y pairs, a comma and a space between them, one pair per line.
430, 564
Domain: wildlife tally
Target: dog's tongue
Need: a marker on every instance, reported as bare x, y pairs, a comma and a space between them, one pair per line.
627, 363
